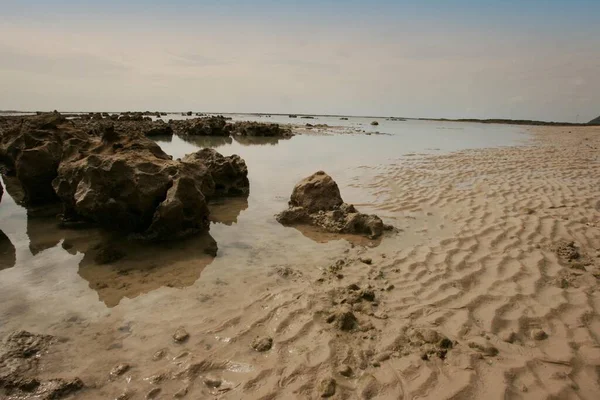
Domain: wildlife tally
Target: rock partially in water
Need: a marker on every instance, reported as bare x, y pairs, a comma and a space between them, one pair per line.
316, 200
230, 174
205, 126
31, 149
127, 183
248, 128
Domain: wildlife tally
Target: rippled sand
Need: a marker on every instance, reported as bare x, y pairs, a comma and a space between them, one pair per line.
452, 306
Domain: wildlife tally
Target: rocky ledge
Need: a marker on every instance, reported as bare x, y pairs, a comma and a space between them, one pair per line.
116, 178
316, 200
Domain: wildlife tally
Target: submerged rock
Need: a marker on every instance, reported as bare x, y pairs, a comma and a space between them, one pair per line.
316, 200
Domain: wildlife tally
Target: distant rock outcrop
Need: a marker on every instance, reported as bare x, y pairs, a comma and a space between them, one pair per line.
316, 200
595, 121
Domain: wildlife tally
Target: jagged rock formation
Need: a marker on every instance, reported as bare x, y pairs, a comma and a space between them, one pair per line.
316, 200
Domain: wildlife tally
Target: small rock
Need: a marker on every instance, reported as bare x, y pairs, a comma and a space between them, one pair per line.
445, 343
368, 294
384, 356
367, 260
119, 370
262, 344
424, 356
212, 382
389, 287
152, 394
508, 337
353, 287
430, 336
345, 321
538, 334
181, 393
345, 370
327, 387
159, 355
181, 335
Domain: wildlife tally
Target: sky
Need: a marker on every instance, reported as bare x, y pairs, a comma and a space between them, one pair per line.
527, 59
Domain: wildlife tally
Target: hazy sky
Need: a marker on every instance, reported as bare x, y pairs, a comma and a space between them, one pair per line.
529, 59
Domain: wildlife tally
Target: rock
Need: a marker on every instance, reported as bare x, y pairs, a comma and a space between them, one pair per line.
157, 128
445, 343
374, 123
316, 200
366, 260
31, 148
159, 355
262, 344
19, 357
248, 128
153, 393
230, 174
318, 192
181, 335
343, 320
128, 183
429, 336
181, 393
538, 334
119, 370
567, 251
326, 387
205, 126
508, 336
367, 294
212, 382
383, 356
345, 370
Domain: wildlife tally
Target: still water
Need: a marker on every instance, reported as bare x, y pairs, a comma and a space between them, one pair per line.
48, 272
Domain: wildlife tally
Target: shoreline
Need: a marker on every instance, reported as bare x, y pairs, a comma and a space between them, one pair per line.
450, 307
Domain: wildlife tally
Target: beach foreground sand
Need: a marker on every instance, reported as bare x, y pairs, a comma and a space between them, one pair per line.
489, 291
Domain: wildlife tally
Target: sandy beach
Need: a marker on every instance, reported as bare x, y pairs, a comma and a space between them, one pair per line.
487, 290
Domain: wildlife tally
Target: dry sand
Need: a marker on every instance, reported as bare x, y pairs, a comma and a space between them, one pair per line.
481, 295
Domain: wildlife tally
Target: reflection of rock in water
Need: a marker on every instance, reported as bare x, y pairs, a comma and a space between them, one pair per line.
44, 230
227, 210
14, 188
8, 255
259, 140
207, 141
119, 268
320, 236
163, 138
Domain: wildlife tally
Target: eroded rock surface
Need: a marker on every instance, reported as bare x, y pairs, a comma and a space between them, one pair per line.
20, 355
205, 126
248, 128
316, 200
110, 173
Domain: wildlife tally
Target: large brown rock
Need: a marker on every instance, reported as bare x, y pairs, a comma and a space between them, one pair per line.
318, 192
229, 174
316, 200
31, 148
126, 182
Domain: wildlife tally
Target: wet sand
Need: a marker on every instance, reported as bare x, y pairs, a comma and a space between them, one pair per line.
479, 295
